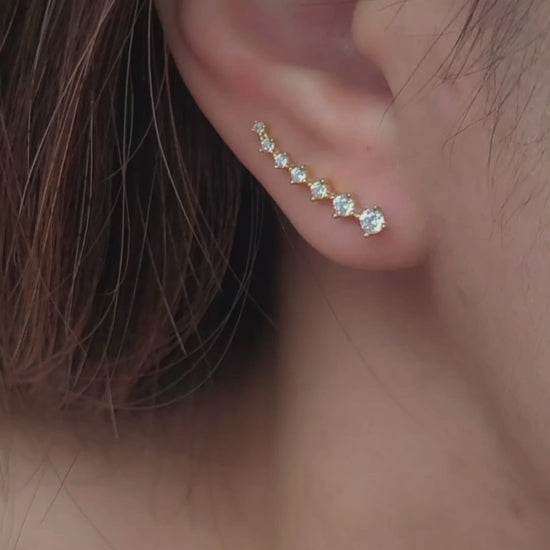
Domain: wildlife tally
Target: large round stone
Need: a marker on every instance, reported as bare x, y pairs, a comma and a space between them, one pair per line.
372, 221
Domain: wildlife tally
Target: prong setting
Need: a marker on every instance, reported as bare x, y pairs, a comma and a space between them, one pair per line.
267, 145
259, 127
344, 206
299, 174
320, 190
372, 221
282, 160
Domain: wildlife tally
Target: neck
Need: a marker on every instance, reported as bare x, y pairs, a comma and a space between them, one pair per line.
384, 435
362, 427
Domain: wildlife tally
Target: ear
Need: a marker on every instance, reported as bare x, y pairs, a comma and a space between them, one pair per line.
318, 75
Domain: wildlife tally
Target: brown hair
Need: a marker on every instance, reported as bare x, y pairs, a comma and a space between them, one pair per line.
129, 234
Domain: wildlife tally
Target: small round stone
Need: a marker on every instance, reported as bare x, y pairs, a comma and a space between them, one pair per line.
320, 190
282, 160
344, 206
298, 175
259, 127
268, 145
372, 221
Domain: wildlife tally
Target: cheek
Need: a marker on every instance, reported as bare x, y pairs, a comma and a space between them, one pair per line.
447, 150
447, 153
491, 232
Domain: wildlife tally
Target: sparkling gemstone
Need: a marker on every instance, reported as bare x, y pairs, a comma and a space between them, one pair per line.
259, 127
320, 190
282, 160
344, 205
268, 145
372, 221
298, 175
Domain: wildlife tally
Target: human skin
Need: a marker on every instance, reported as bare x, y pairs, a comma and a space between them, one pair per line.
404, 403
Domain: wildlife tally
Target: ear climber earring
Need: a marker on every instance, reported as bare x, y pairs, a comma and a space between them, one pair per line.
371, 220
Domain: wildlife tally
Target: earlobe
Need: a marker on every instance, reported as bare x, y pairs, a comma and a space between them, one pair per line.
326, 135
341, 224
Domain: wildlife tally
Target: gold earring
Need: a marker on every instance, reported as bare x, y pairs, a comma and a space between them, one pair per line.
371, 220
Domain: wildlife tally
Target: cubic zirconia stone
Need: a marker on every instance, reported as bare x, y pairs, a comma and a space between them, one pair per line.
298, 175
282, 160
372, 221
344, 206
320, 190
259, 127
268, 145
